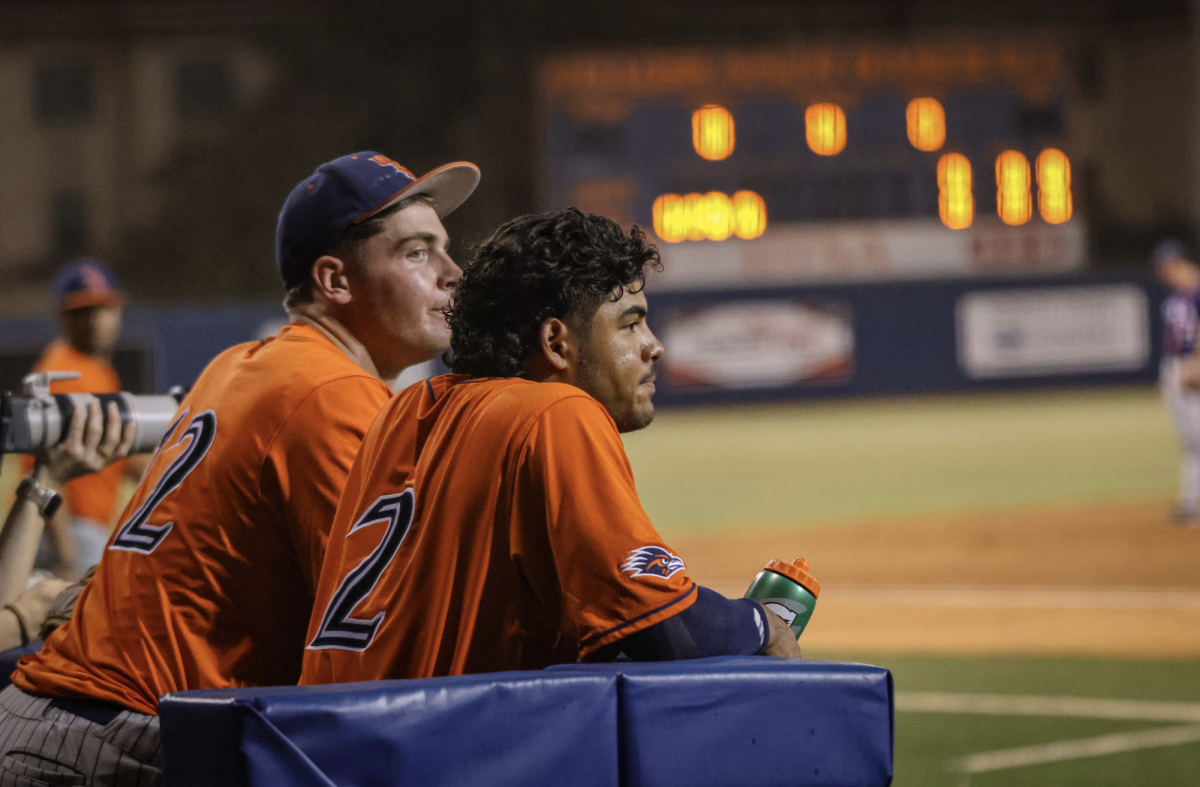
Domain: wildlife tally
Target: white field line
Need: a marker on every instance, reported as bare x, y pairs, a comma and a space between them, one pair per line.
1077, 707
1006, 598
1078, 749
1023, 705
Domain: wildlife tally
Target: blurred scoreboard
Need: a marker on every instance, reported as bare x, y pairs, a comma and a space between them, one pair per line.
839, 162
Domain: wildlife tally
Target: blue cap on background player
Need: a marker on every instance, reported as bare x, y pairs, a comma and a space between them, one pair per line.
1168, 250
86, 282
351, 189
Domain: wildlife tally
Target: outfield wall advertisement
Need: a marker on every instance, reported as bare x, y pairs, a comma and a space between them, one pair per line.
754, 344
1069, 330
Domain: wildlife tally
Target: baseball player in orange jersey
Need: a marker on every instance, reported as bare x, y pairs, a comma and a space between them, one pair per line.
89, 312
490, 521
207, 581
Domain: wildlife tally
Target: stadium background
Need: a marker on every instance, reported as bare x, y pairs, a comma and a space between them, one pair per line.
957, 427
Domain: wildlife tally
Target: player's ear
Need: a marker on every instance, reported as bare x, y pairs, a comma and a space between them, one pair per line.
330, 280
556, 343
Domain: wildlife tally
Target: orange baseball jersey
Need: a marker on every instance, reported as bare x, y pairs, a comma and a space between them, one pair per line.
91, 496
487, 524
207, 581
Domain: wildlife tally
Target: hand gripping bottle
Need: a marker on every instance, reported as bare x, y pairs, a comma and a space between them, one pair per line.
788, 590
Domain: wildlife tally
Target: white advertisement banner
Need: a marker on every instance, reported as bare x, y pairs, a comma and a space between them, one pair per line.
1029, 333
877, 250
757, 344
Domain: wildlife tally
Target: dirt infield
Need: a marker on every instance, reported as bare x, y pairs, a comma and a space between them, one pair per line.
1112, 580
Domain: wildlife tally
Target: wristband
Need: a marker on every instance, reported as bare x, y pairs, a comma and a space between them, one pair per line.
46, 499
20, 623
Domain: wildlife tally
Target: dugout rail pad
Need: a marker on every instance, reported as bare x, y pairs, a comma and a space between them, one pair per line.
723, 722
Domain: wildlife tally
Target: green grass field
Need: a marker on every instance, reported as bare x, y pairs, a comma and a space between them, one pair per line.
800, 464
727, 469
928, 745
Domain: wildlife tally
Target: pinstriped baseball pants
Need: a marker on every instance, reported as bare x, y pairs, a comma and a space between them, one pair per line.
41, 744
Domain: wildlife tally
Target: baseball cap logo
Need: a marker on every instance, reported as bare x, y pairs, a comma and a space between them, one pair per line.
384, 161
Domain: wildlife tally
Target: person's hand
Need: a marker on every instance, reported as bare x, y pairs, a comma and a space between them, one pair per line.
93, 443
783, 642
34, 603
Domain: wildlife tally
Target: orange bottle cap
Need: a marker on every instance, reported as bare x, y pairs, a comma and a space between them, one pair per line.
797, 571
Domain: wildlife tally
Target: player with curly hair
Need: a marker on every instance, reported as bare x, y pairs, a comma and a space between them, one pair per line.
490, 521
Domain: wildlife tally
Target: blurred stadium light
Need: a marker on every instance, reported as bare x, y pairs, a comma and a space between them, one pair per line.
1054, 186
713, 132
926, 124
750, 215
956, 201
825, 129
713, 216
1013, 202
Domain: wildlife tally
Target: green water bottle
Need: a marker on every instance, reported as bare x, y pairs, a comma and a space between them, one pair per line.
788, 590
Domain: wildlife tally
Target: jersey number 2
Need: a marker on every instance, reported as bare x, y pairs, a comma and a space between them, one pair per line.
338, 630
137, 536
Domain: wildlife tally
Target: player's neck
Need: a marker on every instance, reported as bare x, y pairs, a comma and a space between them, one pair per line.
96, 355
333, 329
540, 370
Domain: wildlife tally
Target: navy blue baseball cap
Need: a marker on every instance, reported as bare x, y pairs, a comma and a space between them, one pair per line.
351, 189
86, 282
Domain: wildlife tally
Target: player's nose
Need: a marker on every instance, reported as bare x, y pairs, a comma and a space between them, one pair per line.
652, 350
451, 273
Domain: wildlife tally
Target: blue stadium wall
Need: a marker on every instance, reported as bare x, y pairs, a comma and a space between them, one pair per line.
905, 339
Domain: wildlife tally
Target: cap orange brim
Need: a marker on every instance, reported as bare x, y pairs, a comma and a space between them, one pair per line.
86, 298
449, 186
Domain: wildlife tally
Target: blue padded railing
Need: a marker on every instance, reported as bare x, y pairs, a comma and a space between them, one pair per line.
749, 721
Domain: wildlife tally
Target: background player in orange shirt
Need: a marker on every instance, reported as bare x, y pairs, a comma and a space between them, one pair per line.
208, 579
90, 305
491, 521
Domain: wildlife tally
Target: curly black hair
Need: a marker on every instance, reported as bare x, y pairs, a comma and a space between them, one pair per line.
563, 264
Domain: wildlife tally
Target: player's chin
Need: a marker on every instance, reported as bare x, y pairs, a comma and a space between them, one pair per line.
637, 417
437, 335
419, 349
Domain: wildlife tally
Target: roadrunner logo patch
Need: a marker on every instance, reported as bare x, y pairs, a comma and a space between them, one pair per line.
652, 562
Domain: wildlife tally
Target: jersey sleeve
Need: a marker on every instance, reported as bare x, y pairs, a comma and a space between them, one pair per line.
311, 457
607, 570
